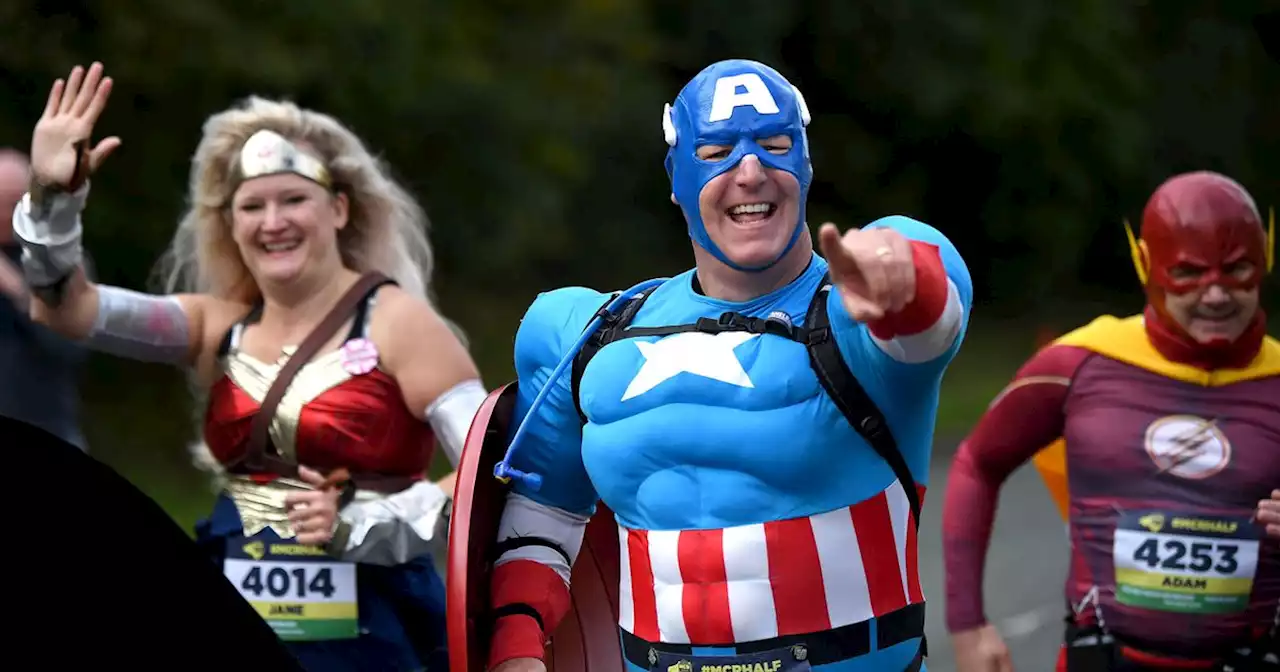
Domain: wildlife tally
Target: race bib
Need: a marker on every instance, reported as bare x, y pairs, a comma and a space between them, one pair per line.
301, 591
1194, 564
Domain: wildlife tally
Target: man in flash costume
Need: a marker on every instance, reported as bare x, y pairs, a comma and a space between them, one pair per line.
1167, 427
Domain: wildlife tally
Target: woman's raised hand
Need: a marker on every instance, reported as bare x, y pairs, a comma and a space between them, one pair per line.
61, 156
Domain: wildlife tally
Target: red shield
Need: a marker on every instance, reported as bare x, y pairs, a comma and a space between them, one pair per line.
587, 638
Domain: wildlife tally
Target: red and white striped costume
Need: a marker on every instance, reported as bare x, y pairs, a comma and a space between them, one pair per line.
794, 573
785, 577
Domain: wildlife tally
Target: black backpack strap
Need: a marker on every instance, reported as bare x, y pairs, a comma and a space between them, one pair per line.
617, 327
856, 405
849, 396
606, 332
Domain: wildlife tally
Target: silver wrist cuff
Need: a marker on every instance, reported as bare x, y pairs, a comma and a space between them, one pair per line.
49, 233
139, 326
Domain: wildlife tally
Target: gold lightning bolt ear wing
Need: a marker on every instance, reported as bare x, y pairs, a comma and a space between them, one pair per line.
1271, 239
1139, 259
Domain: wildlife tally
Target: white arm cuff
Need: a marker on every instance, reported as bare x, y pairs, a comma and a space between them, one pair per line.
523, 517
451, 414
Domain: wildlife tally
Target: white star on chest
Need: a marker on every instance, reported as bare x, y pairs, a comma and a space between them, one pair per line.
706, 355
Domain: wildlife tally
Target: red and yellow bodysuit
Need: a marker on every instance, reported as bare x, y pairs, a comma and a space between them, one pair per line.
330, 417
1167, 445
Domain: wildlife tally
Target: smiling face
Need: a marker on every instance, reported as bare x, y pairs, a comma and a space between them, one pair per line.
750, 211
739, 164
286, 226
1205, 249
1214, 312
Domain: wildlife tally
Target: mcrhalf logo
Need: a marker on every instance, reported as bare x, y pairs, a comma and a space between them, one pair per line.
254, 549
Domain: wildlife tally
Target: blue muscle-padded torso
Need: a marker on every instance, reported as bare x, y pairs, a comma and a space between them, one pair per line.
670, 449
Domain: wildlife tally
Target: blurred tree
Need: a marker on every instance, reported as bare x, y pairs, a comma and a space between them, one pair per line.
1025, 129
531, 132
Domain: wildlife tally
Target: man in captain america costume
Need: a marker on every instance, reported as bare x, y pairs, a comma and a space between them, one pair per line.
757, 527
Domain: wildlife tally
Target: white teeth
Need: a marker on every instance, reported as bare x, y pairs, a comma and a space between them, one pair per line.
747, 208
281, 247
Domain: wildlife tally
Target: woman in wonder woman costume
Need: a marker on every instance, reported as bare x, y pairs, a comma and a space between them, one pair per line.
295, 241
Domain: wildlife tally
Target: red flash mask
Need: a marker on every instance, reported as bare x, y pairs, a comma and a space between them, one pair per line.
1200, 229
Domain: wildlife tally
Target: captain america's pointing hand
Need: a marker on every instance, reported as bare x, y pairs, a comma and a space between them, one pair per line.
1269, 514
872, 269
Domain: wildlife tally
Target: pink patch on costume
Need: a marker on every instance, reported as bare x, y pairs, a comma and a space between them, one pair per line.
359, 356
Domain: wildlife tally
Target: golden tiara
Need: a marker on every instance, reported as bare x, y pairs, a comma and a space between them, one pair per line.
269, 153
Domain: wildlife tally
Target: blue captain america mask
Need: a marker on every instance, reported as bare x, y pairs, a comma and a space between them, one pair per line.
734, 103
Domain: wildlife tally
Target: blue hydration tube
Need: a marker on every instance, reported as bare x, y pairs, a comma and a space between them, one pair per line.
503, 470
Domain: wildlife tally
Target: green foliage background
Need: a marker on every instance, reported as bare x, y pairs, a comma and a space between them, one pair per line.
1024, 129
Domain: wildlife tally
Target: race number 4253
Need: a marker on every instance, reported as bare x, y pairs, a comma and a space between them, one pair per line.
1195, 556
1184, 563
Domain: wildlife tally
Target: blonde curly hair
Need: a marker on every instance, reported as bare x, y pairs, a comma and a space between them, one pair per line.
386, 230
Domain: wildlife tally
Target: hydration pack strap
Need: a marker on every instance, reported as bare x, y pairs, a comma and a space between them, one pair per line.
824, 358
850, 397
605, 334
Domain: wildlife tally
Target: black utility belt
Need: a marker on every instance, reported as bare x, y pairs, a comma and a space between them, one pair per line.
1091, 649
789, 653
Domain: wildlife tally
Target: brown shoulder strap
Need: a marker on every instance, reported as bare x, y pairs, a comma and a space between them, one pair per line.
259, 432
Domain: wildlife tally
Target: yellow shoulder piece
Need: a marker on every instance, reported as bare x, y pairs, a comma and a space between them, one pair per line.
1051, 462
1125, 340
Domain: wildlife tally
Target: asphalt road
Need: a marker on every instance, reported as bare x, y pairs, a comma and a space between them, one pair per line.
1026, 567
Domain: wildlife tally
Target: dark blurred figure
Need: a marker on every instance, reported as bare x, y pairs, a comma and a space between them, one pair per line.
38, 369
156, 558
